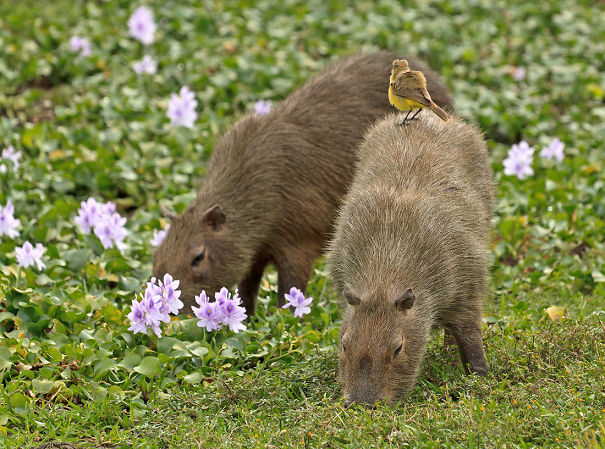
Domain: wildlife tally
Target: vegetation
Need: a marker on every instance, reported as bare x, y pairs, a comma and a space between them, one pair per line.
70, 371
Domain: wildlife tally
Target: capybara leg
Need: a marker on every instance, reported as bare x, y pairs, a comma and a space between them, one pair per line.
470, 346
294, 271
248, 287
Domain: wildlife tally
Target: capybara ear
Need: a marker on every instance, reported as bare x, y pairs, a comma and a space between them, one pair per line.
214, 217
351, 298
405, 301
169, 215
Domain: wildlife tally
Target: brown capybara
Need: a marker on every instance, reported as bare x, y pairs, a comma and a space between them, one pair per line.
274, 182
410, 252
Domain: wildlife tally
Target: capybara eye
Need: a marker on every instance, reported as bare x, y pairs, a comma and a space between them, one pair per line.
199, 258
344, 348
398, 350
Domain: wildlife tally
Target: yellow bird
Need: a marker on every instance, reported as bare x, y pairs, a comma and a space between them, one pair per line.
407, 91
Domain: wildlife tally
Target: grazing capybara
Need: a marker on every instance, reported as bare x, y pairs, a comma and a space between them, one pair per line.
274, 182
410, 252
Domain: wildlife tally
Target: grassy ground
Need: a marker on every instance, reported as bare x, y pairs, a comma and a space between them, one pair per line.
71, 372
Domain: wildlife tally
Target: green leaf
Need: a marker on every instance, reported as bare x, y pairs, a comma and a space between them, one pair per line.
102, 366
130, 361
149, 366
42, 386
77, 258
193, 378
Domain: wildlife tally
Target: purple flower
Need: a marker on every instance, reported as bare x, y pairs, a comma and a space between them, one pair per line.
171, 294
210, 314
110, 230
9, 154
519, 160
89, 213
154, 305
233, 314
8, 223
262, 107
158, 236
145, 65
297, 300
181, 109
554, 150
518, 73
81, 45
141, 25
137, 318
27, 255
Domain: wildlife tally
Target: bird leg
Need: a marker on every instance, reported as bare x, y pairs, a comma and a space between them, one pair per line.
413, 117
405, 119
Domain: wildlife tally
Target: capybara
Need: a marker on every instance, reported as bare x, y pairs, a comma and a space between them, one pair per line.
410, 253
274, 182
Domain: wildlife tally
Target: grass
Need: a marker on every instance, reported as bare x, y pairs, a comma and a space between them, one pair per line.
71, 372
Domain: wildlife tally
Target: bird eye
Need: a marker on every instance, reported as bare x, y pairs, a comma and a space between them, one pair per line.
199, 258
398, 350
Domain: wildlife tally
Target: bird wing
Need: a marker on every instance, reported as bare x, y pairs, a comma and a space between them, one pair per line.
412, 86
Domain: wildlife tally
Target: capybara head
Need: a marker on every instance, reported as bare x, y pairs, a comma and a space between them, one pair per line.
198, 252
379, 351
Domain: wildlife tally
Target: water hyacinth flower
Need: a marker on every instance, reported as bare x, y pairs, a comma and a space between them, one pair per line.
263, 107
8, 222
80, 45
554, 150
157, 302
233, 313
9, 154
28, 255
158, 236
181, 109
137, 318
91, 212
518, 162
145, 65
297, 300
141, 25
209, 313
110, 230
103, 219
518, 73
225, 310
171, 294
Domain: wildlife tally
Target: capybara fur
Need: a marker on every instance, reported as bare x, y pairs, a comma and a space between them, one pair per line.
274, 182
410, 253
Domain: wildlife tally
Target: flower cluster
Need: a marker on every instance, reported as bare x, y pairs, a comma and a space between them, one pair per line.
263, 107
297, 300
145, 65
225, 310
80, 45
103, 219
521, 156
28, 255
158, 236
8, 222
9, 154
181, 109
519, 160
141, 25
554, 150
155, 305
518, 73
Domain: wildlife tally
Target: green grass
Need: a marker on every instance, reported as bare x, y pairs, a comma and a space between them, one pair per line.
71, 372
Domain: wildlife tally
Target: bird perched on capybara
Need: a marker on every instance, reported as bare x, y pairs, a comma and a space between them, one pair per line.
410, 252
274, 181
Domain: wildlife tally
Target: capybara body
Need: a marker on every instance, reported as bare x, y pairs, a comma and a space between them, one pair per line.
274, 182
410, 252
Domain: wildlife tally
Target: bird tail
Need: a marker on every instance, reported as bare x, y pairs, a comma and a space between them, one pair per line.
440, 112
